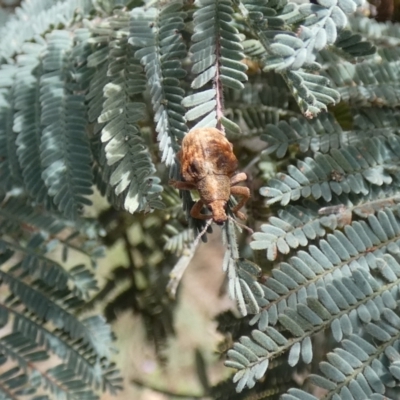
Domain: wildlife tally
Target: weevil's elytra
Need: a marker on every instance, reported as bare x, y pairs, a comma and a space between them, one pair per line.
209, 165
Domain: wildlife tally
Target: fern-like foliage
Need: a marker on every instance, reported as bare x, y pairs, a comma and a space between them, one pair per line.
323, 134
160, 50
27, 122
334, 234
34, 18
335, 217
98, 95
349, 170
382, 34
376, 83
216, 56
68, 179
5, 130
296, 226
123, 158
43, 298
320, 287
294, 55
10, 165
242, 274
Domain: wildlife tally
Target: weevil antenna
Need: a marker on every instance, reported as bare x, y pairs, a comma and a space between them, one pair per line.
241, 225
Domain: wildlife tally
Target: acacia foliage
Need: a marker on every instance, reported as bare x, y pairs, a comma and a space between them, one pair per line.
100, 94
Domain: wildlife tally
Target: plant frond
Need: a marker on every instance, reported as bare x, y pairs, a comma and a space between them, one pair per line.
287, 53
293, 227
312, 92
27, 124
85, 359
75, 355
65, 154
242, 284
34, 18
177, 241
284, 52
254, 119
216, 56
378, 119
322, 24
296, 226
346, 170
17, 383
159, 47
360, 367
28, 353
52, 304
18, 218
353, 44
14, 214
269, 89
323, 133
320, 134
366, 84
346, 276
35, 262
10, 170
5, 129
125, 159
384, 34
264, 100
62, 381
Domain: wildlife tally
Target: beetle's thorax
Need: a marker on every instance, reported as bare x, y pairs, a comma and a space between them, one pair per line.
214, 187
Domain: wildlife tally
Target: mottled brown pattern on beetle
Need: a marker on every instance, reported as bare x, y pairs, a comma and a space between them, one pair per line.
209, 166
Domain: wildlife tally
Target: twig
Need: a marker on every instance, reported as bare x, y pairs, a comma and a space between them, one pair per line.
180, 267
167, 392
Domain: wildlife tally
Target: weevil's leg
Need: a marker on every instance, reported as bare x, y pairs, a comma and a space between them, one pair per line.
238, 178
195, 212
182, 185
245, 193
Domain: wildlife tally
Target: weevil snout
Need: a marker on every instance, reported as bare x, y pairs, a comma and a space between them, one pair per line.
217, 208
